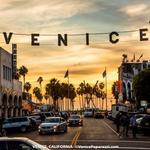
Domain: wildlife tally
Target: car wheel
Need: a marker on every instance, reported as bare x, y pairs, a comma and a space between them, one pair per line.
3, 133
40, 133
23, 129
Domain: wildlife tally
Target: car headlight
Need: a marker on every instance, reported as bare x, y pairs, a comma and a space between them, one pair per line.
39, 127
54, 127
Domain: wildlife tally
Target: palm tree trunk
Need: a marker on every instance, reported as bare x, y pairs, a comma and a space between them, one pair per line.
80, 102
102, 104
23, 83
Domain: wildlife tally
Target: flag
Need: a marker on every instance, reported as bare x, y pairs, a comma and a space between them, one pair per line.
104, 74
66, 74
141, 56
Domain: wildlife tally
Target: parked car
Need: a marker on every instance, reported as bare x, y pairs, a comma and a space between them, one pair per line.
64, 114
19, 143
37, 119
99, 115
53, 124
145, 124
89, 112
43, 115
19, 123
75, 120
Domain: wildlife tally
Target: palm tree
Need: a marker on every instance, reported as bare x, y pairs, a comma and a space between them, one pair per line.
46, 96
64, 93
23, 71
79, 93
53, 88
72, 94
38, 94
27, 86
40, 80
82, 91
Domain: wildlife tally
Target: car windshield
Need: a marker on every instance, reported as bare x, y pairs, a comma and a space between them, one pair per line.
75, 117
52, 120
7, 121
88, 110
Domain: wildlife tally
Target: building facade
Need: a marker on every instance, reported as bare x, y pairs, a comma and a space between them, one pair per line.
126, 73
10, 88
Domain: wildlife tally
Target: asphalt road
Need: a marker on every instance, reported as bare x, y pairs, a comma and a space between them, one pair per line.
95, 134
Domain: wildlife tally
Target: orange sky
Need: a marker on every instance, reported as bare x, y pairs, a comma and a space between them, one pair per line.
84, 62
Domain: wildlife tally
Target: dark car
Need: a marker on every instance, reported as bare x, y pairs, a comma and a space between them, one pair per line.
75, 120
145, 125
99, 115
64, 114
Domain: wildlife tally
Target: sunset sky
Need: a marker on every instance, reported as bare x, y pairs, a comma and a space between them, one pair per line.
75, 16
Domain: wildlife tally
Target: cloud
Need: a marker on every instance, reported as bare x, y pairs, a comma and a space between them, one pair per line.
135, 10
35, 14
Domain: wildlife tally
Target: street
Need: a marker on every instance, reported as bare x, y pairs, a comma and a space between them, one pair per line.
95, 133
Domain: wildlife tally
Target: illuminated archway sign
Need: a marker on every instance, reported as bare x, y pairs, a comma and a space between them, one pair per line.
63, 39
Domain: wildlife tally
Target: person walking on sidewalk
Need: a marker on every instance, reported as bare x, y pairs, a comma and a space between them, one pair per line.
124, 124
133, 125
127, 123
118, 122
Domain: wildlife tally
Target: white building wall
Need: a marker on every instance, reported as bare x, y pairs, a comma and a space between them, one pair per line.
6, 59
9, 88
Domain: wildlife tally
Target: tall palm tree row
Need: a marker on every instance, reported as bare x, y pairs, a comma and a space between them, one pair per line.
57, 91
88, 92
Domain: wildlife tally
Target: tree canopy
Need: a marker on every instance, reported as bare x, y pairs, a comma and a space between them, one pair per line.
141, 86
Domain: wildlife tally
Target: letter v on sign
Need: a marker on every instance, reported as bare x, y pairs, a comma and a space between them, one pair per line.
7, 37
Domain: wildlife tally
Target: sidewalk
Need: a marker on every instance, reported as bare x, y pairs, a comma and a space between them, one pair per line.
140, 136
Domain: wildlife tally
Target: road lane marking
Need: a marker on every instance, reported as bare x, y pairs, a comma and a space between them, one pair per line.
75, 142
72, 142
75, 139
110, 128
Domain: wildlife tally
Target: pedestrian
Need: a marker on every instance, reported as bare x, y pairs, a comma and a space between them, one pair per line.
117, 121
133, 125
124, 125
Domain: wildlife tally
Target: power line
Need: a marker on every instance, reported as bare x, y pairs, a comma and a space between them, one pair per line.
77, 34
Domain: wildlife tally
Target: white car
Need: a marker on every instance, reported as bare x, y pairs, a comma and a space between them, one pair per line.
53, 124
20, 143
89, 112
